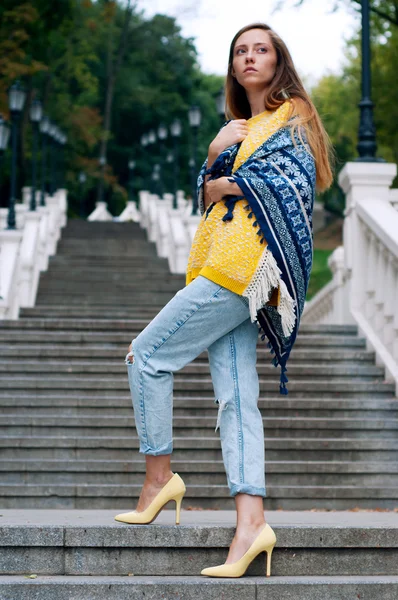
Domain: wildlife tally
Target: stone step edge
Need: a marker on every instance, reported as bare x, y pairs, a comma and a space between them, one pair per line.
109, 587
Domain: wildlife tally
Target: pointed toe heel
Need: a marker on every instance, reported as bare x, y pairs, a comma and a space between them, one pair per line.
264, 542
173, 490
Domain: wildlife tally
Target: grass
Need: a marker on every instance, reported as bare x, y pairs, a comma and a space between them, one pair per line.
320, 274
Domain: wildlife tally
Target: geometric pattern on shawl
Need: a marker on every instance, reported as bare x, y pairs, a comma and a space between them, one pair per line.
278, 183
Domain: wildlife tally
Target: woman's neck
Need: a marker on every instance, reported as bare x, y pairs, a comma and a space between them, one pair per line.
256, 101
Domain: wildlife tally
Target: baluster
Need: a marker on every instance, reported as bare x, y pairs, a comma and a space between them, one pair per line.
380, 295
388, 329
370, 264
377, 282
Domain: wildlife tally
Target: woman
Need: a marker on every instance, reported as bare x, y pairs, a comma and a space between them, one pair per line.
248, 268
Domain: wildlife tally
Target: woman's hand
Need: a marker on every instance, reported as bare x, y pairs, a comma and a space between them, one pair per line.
231, 134
217, 188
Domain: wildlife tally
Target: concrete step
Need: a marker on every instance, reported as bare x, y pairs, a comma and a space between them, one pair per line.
44, 406
85, 542
195, 386
74, 353
275, 448
192, 469
120, 404
56, 476
169, 587
286, 497
299, 370
99, 338
306, 331
274, 427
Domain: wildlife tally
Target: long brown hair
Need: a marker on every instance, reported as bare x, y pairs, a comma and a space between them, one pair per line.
286, 83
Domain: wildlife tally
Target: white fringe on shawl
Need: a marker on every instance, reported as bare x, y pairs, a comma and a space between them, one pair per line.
265, 279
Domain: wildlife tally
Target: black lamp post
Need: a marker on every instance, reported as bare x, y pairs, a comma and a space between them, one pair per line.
151, 143
44, 129
169, 162
195, 118
145, 170
220, 105
367, 131
35, 113
82, 181
16, 100
175, 130
131, 180
102, 163
58, 137
53, 154
62, 140
4, 136
162, 135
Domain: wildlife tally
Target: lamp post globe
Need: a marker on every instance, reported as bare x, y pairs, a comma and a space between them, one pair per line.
16, 101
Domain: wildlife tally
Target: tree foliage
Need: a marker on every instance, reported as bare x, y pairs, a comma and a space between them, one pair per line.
71, 57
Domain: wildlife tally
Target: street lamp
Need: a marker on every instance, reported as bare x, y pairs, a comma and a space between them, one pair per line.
367, 131
4, 136
175, 130
62, 141
131, 169
35, 113
220, 105
16, 101
162, 135
52, 133
82, 180
195, 117
144, 154
44, 128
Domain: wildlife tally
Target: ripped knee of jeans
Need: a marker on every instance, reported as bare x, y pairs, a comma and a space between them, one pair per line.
222, 405
130, 359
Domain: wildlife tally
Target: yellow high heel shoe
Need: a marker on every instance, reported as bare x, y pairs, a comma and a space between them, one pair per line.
265, 541
173, 490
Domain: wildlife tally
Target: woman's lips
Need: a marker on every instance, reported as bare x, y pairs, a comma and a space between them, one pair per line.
250, 69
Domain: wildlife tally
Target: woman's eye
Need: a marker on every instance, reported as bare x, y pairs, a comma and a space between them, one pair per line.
263, 49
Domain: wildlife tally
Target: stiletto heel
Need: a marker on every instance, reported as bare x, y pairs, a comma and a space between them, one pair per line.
269, 552
173, 490
265, 541
178, 500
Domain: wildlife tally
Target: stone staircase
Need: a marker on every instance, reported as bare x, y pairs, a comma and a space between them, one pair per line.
86, 555
68, 441
67, 436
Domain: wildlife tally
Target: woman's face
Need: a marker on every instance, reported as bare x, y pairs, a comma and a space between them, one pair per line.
254, 59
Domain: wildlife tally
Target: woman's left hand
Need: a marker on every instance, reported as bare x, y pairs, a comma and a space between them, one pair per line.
217, 188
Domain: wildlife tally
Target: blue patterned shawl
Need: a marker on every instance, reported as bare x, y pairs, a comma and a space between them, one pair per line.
278, 183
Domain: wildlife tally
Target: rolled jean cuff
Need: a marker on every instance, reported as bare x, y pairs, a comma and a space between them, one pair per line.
145, 449
243, 488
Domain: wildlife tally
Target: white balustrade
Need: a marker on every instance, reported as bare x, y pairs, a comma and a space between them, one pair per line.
364, 288
24, 251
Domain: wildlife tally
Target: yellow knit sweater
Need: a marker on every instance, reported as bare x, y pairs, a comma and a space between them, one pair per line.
228, 252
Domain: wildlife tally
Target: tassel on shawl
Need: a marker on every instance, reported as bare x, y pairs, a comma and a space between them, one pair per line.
266, 278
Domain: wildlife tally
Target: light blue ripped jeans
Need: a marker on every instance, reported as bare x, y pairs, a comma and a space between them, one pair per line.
203, 315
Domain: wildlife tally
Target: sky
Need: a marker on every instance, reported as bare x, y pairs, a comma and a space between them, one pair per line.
313, 33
